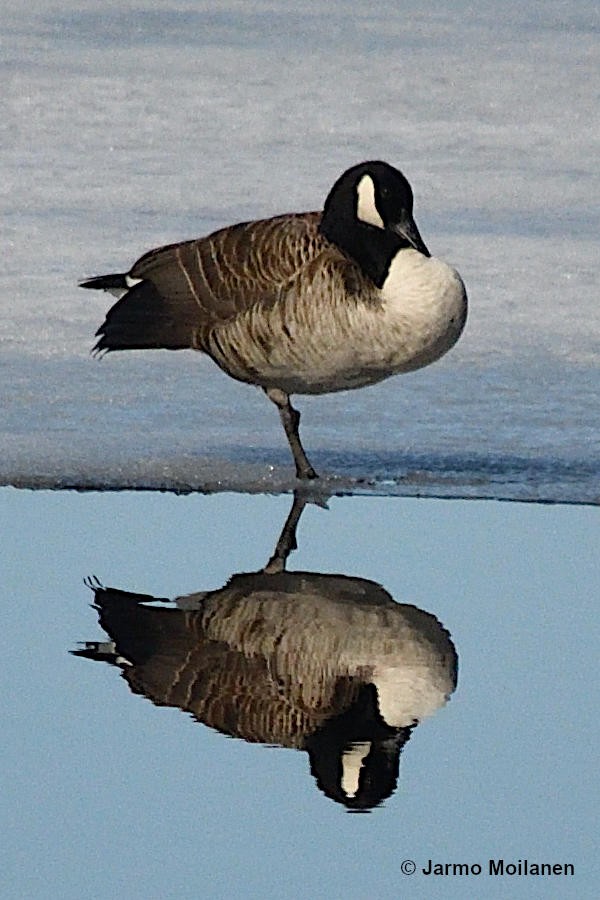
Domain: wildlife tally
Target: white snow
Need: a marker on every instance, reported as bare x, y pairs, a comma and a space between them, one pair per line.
126, 125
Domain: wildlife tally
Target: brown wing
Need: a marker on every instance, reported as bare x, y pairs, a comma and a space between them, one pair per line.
235, 268
188, 288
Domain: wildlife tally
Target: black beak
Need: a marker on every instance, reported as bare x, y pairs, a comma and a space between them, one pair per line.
408, 230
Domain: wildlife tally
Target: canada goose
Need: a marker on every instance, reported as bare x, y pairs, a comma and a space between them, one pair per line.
304, 303
328, 664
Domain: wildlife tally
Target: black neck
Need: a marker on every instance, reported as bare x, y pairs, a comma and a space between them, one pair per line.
371, 247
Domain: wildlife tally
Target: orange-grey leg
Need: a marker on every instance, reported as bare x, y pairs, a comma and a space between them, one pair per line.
290, 419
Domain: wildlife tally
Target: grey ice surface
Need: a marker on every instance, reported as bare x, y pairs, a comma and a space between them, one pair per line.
132, 126
201, 431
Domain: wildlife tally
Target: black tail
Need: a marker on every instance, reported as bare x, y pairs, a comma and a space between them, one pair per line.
143, 319
101, 651
106, 282
135, 630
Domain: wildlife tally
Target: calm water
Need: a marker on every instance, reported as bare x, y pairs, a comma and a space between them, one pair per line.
108, 793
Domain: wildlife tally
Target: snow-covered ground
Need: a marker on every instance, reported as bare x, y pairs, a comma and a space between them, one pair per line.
131, 124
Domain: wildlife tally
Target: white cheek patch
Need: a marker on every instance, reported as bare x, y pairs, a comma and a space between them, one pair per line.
353, 758
131, 282
366, 209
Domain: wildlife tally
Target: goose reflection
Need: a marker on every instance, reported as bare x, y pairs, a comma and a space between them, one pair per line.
328, 664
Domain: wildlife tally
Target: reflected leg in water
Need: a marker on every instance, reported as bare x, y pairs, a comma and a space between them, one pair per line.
287, 539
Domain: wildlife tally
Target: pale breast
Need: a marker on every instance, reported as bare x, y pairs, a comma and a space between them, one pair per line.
425, 309
331, 332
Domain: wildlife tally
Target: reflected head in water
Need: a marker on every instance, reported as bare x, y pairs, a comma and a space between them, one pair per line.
328, 664
361, 774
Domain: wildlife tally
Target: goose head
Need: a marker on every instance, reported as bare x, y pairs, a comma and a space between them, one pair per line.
368, 214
